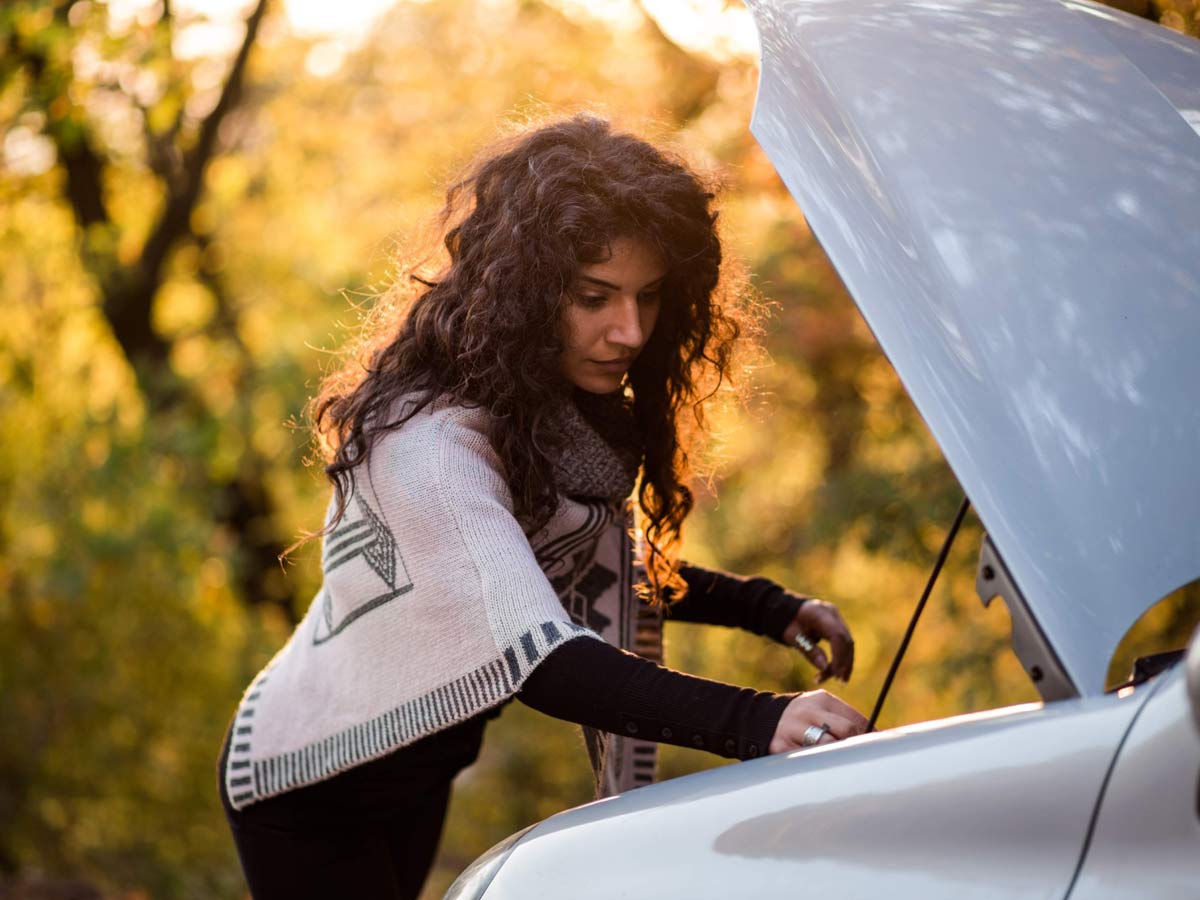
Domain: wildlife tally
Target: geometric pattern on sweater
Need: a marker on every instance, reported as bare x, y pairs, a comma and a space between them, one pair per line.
579, 595
453, 701
585, 580
642, 756
592, 570
597, 516
370, 541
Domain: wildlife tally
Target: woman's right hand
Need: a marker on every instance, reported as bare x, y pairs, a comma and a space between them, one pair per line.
816, 708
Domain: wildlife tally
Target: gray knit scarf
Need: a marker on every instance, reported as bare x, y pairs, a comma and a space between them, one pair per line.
603, 450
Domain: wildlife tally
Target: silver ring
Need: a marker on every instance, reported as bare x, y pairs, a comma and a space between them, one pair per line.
804, 642
813, 734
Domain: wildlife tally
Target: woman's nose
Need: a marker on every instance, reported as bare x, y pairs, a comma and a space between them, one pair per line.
625, 327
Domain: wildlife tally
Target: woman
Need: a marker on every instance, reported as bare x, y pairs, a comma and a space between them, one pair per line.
478, 542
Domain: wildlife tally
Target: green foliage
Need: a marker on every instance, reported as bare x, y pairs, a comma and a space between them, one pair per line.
141, 494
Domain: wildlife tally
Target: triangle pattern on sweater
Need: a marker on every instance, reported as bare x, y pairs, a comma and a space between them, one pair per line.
368, 539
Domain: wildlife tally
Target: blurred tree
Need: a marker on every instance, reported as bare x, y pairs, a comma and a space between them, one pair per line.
1181, 15
137, 82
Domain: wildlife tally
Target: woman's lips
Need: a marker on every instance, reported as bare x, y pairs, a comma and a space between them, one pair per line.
611, 365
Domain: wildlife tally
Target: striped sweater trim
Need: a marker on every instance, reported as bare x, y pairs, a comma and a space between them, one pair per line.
249, 778
639, 758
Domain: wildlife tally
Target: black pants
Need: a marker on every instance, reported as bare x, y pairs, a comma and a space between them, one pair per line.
370, 832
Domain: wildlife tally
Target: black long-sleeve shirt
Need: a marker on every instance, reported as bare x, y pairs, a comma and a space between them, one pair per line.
758, 605
598, 685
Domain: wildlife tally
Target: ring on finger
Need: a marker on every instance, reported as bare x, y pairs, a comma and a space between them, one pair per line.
813, 734
805, 643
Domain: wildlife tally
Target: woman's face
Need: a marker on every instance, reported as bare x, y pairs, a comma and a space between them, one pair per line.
609, 315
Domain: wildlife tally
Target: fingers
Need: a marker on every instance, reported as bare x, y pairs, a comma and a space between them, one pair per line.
820, 662
840, 727
817, 708
855, 722
821, 620
842, 645
833, 628
793, 736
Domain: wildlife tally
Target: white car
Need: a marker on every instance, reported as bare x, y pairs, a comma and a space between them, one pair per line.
1010, 190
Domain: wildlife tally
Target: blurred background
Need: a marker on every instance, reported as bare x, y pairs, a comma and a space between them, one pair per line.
196, 201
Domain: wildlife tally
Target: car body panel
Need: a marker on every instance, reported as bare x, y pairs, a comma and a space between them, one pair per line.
1168, 59
865, 817
1015, 207
1151, 807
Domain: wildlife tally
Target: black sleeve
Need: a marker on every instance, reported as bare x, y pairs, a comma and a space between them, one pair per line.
758, 605
595, 684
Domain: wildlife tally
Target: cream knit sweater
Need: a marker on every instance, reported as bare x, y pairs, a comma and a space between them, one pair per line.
435, 606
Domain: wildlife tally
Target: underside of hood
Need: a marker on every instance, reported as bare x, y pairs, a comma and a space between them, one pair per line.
1010, 190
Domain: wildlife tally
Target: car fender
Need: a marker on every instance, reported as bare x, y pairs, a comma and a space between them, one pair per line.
984, 805
1151, 807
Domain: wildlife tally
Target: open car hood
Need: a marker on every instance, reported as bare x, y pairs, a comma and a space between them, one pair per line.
1010, 190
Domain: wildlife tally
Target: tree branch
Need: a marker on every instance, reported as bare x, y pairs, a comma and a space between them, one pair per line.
128, 305
83, 165
175, 221
162, 152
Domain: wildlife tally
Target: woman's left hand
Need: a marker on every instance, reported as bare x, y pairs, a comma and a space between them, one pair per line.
818, 620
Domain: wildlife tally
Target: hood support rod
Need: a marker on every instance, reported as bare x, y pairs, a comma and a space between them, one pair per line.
912, 624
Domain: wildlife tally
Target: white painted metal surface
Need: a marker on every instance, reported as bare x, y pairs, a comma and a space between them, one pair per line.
1147, 836
1013, 199
994, 805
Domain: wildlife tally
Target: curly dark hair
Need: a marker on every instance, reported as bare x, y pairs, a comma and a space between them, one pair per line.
484, 331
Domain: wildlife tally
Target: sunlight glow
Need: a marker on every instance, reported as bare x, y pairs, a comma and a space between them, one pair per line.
215, 27
708, 26
346, 17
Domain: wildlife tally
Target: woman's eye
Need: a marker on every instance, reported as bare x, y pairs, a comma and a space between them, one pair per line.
650, 297
592, 301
